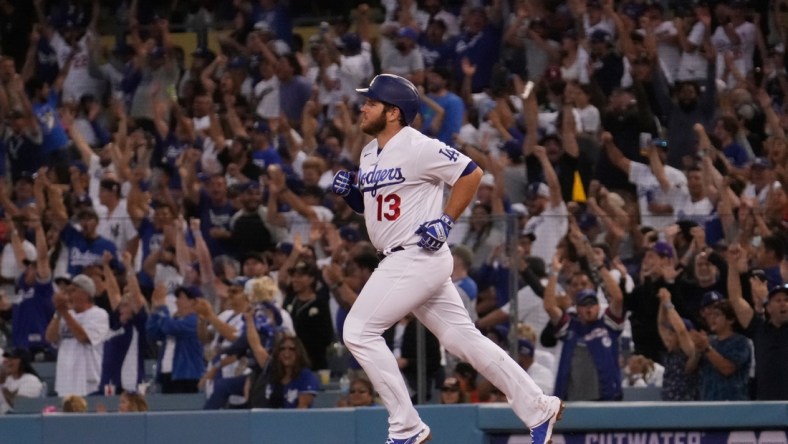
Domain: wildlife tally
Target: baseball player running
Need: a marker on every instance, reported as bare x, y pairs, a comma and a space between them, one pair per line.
399, 190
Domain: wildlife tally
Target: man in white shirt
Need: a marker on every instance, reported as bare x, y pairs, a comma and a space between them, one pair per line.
541, 375
79, 334
661, 188
266, 92
114, 221
666, 34
549, 215
762, 180
696, 206
736, 35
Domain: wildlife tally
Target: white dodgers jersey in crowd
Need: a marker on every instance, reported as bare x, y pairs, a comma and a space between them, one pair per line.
403, 185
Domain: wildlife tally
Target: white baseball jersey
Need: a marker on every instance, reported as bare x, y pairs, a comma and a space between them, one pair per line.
403, 184
78, 81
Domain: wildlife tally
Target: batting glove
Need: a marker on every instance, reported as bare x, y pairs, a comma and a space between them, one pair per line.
435, 232
343, 180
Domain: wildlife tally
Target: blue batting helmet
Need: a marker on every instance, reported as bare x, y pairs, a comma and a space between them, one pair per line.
394, 90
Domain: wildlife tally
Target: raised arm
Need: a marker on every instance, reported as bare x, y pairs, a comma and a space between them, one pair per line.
253, 337
113, 289
138, 301
658, 168
615, 155
569, 132
43, 270
550, 299
205, 311
737, 258
668, 319
550, 177
203, 254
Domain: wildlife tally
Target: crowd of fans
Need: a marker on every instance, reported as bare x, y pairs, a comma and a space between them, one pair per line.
158, 209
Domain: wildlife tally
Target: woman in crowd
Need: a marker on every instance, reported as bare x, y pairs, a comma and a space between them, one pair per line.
132, 402
122, 366
75, 404
361, 393
287, 382
451, 393
680, 381
18, 379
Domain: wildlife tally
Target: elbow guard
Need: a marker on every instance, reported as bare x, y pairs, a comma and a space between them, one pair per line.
355, 200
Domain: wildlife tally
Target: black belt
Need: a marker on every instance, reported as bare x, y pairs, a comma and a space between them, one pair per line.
382, 254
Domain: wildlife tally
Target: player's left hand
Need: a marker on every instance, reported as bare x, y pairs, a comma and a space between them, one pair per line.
435, 232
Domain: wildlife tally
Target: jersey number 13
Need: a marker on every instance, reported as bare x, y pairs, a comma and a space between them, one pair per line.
388, 207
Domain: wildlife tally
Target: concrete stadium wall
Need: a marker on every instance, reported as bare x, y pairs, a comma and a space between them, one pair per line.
466, 424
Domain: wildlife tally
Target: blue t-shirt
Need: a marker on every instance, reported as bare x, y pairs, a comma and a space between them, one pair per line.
469, 286
278, 18
737, 155
47, 68
83, 252
482, 50
54, 136
439, 55
305, 383
118, 346
151, 239
24, 155
601, 339
31, 315
452, 119
293, 95
716, 387
212, 216
266, 157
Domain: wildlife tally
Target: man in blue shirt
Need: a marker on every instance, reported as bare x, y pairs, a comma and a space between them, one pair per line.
86, 247
437, 83
34, 309
45, 101
294, 89
437, 52
588, 369
480, 44
21, 141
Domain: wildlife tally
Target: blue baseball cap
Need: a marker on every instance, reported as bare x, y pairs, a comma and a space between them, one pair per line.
239, 281
284, 248
761, 162
586, 297
349, 234
204, 53
251, 185
191, 292
237, 62
157, 52
600, 36
261, 126
782, 288
663, 249
525, 347
711, 297
408, 33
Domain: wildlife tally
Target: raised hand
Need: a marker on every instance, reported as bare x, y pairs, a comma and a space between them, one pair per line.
664, 295
435, 232
343, 181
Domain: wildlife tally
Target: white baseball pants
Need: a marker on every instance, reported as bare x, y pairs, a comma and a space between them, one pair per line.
416, 280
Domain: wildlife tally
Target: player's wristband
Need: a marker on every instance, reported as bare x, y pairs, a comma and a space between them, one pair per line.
355, 200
